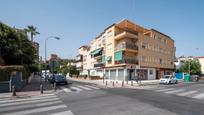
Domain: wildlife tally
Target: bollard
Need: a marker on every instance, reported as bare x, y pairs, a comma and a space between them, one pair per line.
41, 88
113, 84
106, 83
122, 83
131, 83
55, 86
116, 82
14, 90
127, 82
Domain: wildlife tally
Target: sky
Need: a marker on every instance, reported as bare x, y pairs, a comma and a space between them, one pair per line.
77, 22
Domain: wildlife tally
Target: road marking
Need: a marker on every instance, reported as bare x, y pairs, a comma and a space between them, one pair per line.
75, 88
163, 90
63, 113
29, 101
92, 87
187, 93
86, 88
42, 109
29, 106
30, 98
66, 89
199, 96
174, 91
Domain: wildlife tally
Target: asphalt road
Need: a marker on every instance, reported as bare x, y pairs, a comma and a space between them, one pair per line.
123, 101
89, 99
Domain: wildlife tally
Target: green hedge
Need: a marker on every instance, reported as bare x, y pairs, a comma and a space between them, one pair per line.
5, 72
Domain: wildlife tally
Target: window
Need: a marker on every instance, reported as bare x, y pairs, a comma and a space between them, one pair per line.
84, 57
109, 46
150, 72
143, 58
160, 61
109, 33
144, 45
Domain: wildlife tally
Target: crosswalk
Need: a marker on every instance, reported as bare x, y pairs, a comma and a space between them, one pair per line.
78, 88
47, 104
191, 92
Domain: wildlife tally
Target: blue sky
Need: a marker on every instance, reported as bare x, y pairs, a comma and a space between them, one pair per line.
77, 22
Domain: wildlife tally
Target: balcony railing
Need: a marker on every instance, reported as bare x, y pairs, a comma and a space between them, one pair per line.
79, 58
128, 60
99, 65
126, 46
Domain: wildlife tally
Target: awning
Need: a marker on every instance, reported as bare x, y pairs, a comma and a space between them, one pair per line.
108, 58
118, 56
96, 51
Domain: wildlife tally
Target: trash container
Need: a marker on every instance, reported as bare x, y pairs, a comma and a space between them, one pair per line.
194, 78
186, 78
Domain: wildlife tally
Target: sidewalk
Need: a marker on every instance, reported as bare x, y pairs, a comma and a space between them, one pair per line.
31, 89
116, 83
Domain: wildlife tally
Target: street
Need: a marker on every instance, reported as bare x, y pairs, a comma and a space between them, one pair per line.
89, 99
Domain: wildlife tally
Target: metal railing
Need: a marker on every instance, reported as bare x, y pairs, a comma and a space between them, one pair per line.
125, 45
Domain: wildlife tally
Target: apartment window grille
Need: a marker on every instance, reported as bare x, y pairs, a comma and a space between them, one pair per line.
144, 45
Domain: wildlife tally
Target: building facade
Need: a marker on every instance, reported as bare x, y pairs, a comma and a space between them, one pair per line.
126, 51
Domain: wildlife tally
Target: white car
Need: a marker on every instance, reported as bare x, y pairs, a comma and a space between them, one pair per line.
168, 79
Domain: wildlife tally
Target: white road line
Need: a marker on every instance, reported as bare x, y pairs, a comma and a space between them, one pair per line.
92, 87
30, 105
187, 93
30, 98
75, 88
66, 89
27, 102
86, 88
163, 90
199, 96
42, 109
174, 91
63, 113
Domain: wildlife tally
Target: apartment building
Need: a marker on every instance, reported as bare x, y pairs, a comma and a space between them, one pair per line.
126, 51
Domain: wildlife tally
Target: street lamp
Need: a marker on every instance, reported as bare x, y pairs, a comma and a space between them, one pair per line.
55, 37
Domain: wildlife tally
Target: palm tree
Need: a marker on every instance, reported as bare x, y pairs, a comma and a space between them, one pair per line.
32, 30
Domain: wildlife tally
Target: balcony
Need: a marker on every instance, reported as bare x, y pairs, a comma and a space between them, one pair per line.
127, 60
97, 53
79, 66
99, 65
126, 47
125, 34
79, 58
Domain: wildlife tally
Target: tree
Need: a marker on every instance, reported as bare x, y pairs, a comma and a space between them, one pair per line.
192, 65
15, 48
32, 30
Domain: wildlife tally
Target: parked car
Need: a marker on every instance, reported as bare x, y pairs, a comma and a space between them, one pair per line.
58, 79
168, 79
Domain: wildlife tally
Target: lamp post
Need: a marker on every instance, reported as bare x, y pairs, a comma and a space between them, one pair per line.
55, 37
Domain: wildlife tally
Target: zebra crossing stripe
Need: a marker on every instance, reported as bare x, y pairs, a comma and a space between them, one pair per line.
187, 93
66, 89
75, 88
86, 88
174, 91
28, 101
30, 98
92, 87
199, 96
63, 113
163, 90
42, 109
30, 105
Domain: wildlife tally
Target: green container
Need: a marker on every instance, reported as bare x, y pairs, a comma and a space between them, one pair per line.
186, 78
